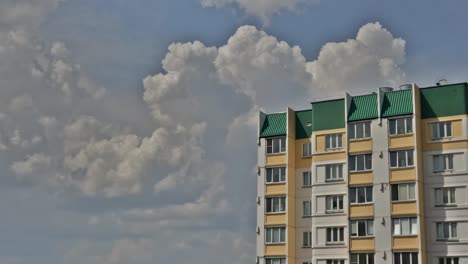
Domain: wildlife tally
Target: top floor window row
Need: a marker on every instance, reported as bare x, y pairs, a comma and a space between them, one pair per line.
333, 141
400, 126
275, 145
441, 130
359, 130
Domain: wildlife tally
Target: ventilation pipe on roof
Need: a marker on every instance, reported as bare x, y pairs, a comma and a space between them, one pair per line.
441, 82
406, 86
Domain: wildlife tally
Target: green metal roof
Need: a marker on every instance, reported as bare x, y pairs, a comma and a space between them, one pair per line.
397, 103
328, 115
445, 100
274, 125
363, 107
302, 130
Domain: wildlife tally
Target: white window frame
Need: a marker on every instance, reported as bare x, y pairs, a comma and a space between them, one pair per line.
407, 159
282, 205
443, 162
353, 159
411, 224
272, 229
366, 130
400, 188
448, 260
306, 150
281, 177
334, 172
307, 208
332, 231
367, 224
270, 260
306, 239
445, 193
270, 145
406, 122
358, 256
399, 255
306, 178
449, 230
357, 190
447, 130
330, 200
335, 261
334, 141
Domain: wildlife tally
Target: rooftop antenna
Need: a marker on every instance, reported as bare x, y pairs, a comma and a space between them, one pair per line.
441, 82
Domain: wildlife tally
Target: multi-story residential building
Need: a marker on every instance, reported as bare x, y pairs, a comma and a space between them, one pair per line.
376, 178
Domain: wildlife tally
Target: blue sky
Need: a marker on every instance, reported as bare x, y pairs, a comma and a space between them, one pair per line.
127, 128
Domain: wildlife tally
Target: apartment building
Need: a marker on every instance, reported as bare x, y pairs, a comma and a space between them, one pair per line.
376, 178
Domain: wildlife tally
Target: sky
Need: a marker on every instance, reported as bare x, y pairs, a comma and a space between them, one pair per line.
128, 128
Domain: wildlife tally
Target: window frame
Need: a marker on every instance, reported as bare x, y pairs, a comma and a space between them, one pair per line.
339, 201
437, 135
405, 120
307, 239
449, 192
353, 165
399, 186
354, 198
366, 227
410, 221
358, 256
407, 159
306, 205
365, 134
279, 175
400, 257
334, 141
335, 261
272, 236
446, 160
334, 168
280, 197
268, 260
269, 148
306, 175
307, 150
334, 230
448, 260
450, 230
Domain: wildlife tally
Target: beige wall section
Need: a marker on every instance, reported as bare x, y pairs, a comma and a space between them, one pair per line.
405, 243
402, 174
320, 139
360, 178
401, 141
275, 219
276, 159
358, 210
404, 208
274, 189
459, 134
291, 185
275, 250
362, 244
302, 162
338, 155
364, 145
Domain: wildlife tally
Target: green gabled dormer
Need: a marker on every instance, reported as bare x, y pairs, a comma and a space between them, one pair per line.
397, 103
303, 124
363, 107
328, 115
444, 100
274, 125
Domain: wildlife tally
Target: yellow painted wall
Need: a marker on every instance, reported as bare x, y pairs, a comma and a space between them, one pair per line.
274, 189
362, 244
458, 140
357, 210
402, 174
446, 145
275, 159
291, 183
329, 156
356, 178
364, 145
401, 141
404, 208
409, 242
300, 161
275, 219
275, 250
320, 138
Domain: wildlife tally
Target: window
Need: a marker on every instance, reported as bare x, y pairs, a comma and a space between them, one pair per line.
405, 258
359, 130
306, 147
405, 226
362, 228
306, 239
275, 204
446, 230
441, 130
275, 174
336, 261
276, 145
400, 126
275, 235
334, 203
333, 141
334, 172
306, 178
275, 260
442, 162
335, 235
403, 192
307, 208
362, 194
401, 158
451, 260
445, 196
360, 162
362, 258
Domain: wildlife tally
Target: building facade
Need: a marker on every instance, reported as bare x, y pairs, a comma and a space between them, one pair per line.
376, 178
